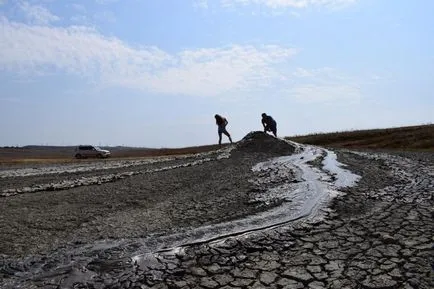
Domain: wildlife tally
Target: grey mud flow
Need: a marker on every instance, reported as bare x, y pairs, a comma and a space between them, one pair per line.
262, 214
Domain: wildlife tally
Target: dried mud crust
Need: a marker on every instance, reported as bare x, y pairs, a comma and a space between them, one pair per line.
378, 235
375, 176
385, 243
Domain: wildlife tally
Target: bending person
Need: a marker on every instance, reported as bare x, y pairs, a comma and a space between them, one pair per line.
269, 124
222, 123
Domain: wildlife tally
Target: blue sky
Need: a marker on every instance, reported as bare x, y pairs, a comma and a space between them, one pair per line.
154, 73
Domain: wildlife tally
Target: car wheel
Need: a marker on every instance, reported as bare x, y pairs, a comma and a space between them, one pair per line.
78, 156
100, 156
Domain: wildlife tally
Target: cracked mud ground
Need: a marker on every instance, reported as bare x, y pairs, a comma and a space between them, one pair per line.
378, 235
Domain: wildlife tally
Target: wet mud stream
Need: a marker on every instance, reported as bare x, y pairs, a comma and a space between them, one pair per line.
298, 190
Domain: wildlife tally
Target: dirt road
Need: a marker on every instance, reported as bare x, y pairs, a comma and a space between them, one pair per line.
262, 214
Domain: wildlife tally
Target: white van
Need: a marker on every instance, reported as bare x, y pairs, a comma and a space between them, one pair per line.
88, 151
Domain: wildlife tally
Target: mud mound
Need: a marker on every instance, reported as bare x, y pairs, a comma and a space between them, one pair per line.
260, 142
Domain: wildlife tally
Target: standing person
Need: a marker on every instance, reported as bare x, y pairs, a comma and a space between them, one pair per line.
269, 124
222, 123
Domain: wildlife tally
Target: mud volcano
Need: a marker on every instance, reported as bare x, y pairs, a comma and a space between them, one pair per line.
260, 142
238, 217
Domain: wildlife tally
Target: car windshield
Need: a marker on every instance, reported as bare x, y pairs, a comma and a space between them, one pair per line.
98, 148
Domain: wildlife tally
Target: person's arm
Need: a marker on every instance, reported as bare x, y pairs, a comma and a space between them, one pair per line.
226, 122
263, 122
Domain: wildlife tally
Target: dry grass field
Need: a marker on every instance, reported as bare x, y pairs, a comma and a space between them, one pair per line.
417, 138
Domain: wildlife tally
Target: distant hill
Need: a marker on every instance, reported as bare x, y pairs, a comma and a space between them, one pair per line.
420, 137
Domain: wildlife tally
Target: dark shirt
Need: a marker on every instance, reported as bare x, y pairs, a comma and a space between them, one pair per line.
268, 121
220, 121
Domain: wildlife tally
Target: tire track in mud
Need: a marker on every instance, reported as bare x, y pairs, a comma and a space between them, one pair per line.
99, 165
134, 166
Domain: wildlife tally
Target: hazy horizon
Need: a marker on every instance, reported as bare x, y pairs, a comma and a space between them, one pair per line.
209, 144
153, 73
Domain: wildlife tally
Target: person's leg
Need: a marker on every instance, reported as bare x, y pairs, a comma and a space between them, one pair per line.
228, 135
274, 130
220, 137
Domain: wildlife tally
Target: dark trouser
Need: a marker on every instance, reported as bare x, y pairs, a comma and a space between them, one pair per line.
272, 128
222, 130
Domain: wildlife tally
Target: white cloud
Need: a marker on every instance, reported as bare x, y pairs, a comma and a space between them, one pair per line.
36, 14
83, 51
105, 1
302, 72
323, 85
310, 93
81, 16
295, 14
320, 74
274, 4
104, 16
203, 4
220, 70
78, 7
79, 19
